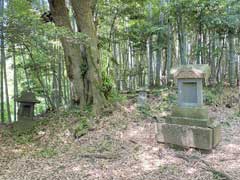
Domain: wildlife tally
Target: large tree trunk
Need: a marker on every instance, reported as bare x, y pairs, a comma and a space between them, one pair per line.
73, 59
82, 61
84, 15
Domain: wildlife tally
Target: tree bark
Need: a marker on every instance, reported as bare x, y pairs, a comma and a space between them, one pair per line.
158, 63
159, 50
150, 52
181, 37
84, 16
15, 83
231, 71
82, 60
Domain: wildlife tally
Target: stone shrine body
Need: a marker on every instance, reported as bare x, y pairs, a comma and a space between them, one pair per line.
189, 124
26, 101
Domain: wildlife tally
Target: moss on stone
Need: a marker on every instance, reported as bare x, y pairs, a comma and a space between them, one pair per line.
189, 121
190, 112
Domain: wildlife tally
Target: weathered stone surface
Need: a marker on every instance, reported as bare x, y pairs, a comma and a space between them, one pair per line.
27, 97
188, 136
24, 125
216, 134
189, 121
189, 124
27, 101
190, 112
191, 71
190, 92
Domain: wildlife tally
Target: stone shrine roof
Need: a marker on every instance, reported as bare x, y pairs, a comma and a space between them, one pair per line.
28, 97
191, 72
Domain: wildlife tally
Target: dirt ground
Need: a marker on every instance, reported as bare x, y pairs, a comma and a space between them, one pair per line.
122, 147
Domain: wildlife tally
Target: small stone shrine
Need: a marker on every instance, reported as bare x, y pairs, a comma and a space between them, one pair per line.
27, 102
142, 97
189, 124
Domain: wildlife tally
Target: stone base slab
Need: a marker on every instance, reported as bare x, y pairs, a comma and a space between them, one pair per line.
189, 121
189, 136
190, 112
22, 126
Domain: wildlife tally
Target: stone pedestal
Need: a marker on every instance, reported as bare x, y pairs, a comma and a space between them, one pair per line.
189, 124
26, 101
191, 128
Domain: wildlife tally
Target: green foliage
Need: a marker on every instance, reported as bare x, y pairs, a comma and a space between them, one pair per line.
107, 84
116, 97
84, 69
172, 97
218, 175
145, 110
26, 135
168, 98
47, 152
209, 97
212, 94
23, 137
82, 127
105, 146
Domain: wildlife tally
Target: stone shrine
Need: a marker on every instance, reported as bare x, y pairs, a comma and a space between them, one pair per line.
142, 97
189, 124
27, 101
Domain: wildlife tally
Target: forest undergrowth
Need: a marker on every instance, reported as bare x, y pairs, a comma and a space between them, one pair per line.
120, 143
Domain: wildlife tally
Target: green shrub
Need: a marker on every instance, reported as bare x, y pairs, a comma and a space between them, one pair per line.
47, 152
82, 127
209, 97
107, 85
145, 110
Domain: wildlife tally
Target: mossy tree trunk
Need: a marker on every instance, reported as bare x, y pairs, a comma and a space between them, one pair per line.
82, 59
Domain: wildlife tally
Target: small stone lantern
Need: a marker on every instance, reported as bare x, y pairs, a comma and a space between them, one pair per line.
27, 102
142, 97
189, 124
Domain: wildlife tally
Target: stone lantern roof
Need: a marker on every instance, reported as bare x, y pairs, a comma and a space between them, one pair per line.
27, 97
191, 72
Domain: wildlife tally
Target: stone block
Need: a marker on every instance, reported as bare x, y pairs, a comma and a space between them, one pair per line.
24, 125
216, 134
189, 136
190, 112
190, 93
189, 121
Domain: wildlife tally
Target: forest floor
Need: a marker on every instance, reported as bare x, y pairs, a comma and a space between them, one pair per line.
120, 146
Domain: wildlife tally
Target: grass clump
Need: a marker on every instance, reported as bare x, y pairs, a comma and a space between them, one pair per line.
47, 152
212, 94
82, 127
145, 110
